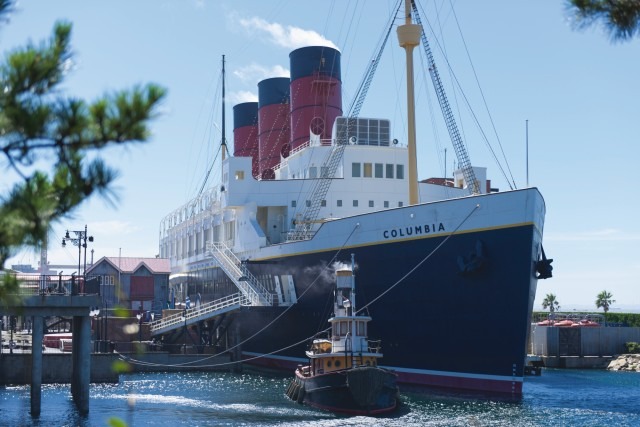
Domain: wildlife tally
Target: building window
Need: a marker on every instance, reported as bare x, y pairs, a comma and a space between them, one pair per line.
313, 172
293, 203
355, 170
239, 175
400, 204
323, 203
339, 203
389, 170
355, 203
308, 203
368, 170
370, 203
386, 203
378, 170
324, 171
400, 171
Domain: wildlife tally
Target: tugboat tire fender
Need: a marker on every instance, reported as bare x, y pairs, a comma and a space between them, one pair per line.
301, 393
295, 392
290, 389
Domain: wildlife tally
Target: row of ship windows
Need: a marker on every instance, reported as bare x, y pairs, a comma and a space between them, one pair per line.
377, 170
362, 170
358, 170
356, 203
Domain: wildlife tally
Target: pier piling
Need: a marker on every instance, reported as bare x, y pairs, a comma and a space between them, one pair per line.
78, 307
37, 335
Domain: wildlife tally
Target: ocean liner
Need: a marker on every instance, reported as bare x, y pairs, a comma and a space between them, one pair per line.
450, 266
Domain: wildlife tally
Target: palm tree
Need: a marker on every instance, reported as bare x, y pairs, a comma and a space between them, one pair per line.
604, 301
621, 18
550, 302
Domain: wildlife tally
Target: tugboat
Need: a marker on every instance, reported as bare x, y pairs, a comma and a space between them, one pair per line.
343, 375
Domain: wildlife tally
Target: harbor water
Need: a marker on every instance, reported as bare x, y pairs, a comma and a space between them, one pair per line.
558, 397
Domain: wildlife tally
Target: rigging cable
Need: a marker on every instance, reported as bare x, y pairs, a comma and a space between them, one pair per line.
207, 136
495, 131
453, 92
468, 104
333, 157
206, 178
335, 256
398, 282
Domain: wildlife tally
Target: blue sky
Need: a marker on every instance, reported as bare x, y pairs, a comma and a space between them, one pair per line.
578, 90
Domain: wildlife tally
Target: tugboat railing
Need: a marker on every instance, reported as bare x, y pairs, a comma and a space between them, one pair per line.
375, 346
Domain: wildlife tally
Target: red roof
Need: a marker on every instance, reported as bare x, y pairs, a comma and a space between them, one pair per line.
131, 264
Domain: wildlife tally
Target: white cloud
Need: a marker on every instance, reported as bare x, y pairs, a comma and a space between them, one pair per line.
285, 36
253, 73
242, 96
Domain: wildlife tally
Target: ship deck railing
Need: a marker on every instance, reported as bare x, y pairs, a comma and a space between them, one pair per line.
284, 161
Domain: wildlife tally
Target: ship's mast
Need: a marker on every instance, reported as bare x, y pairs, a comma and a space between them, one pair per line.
409, 38
224, 135
223, 148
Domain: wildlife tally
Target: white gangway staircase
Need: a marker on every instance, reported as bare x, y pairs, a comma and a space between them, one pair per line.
252, 293
240, 275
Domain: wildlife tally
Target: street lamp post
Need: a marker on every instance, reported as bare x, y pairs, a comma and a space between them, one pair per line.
81, 242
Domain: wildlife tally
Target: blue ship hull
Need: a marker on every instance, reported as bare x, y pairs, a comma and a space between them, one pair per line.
440, 325
451, 295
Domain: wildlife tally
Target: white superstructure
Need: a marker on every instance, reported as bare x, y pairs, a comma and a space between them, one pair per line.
248, 214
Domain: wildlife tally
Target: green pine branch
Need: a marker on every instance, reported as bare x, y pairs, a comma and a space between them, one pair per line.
37, 122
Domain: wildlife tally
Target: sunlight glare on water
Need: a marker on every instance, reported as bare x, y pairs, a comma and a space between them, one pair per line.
558, 397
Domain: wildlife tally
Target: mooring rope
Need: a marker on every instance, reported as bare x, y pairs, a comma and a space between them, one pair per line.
398, 282
357, 225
